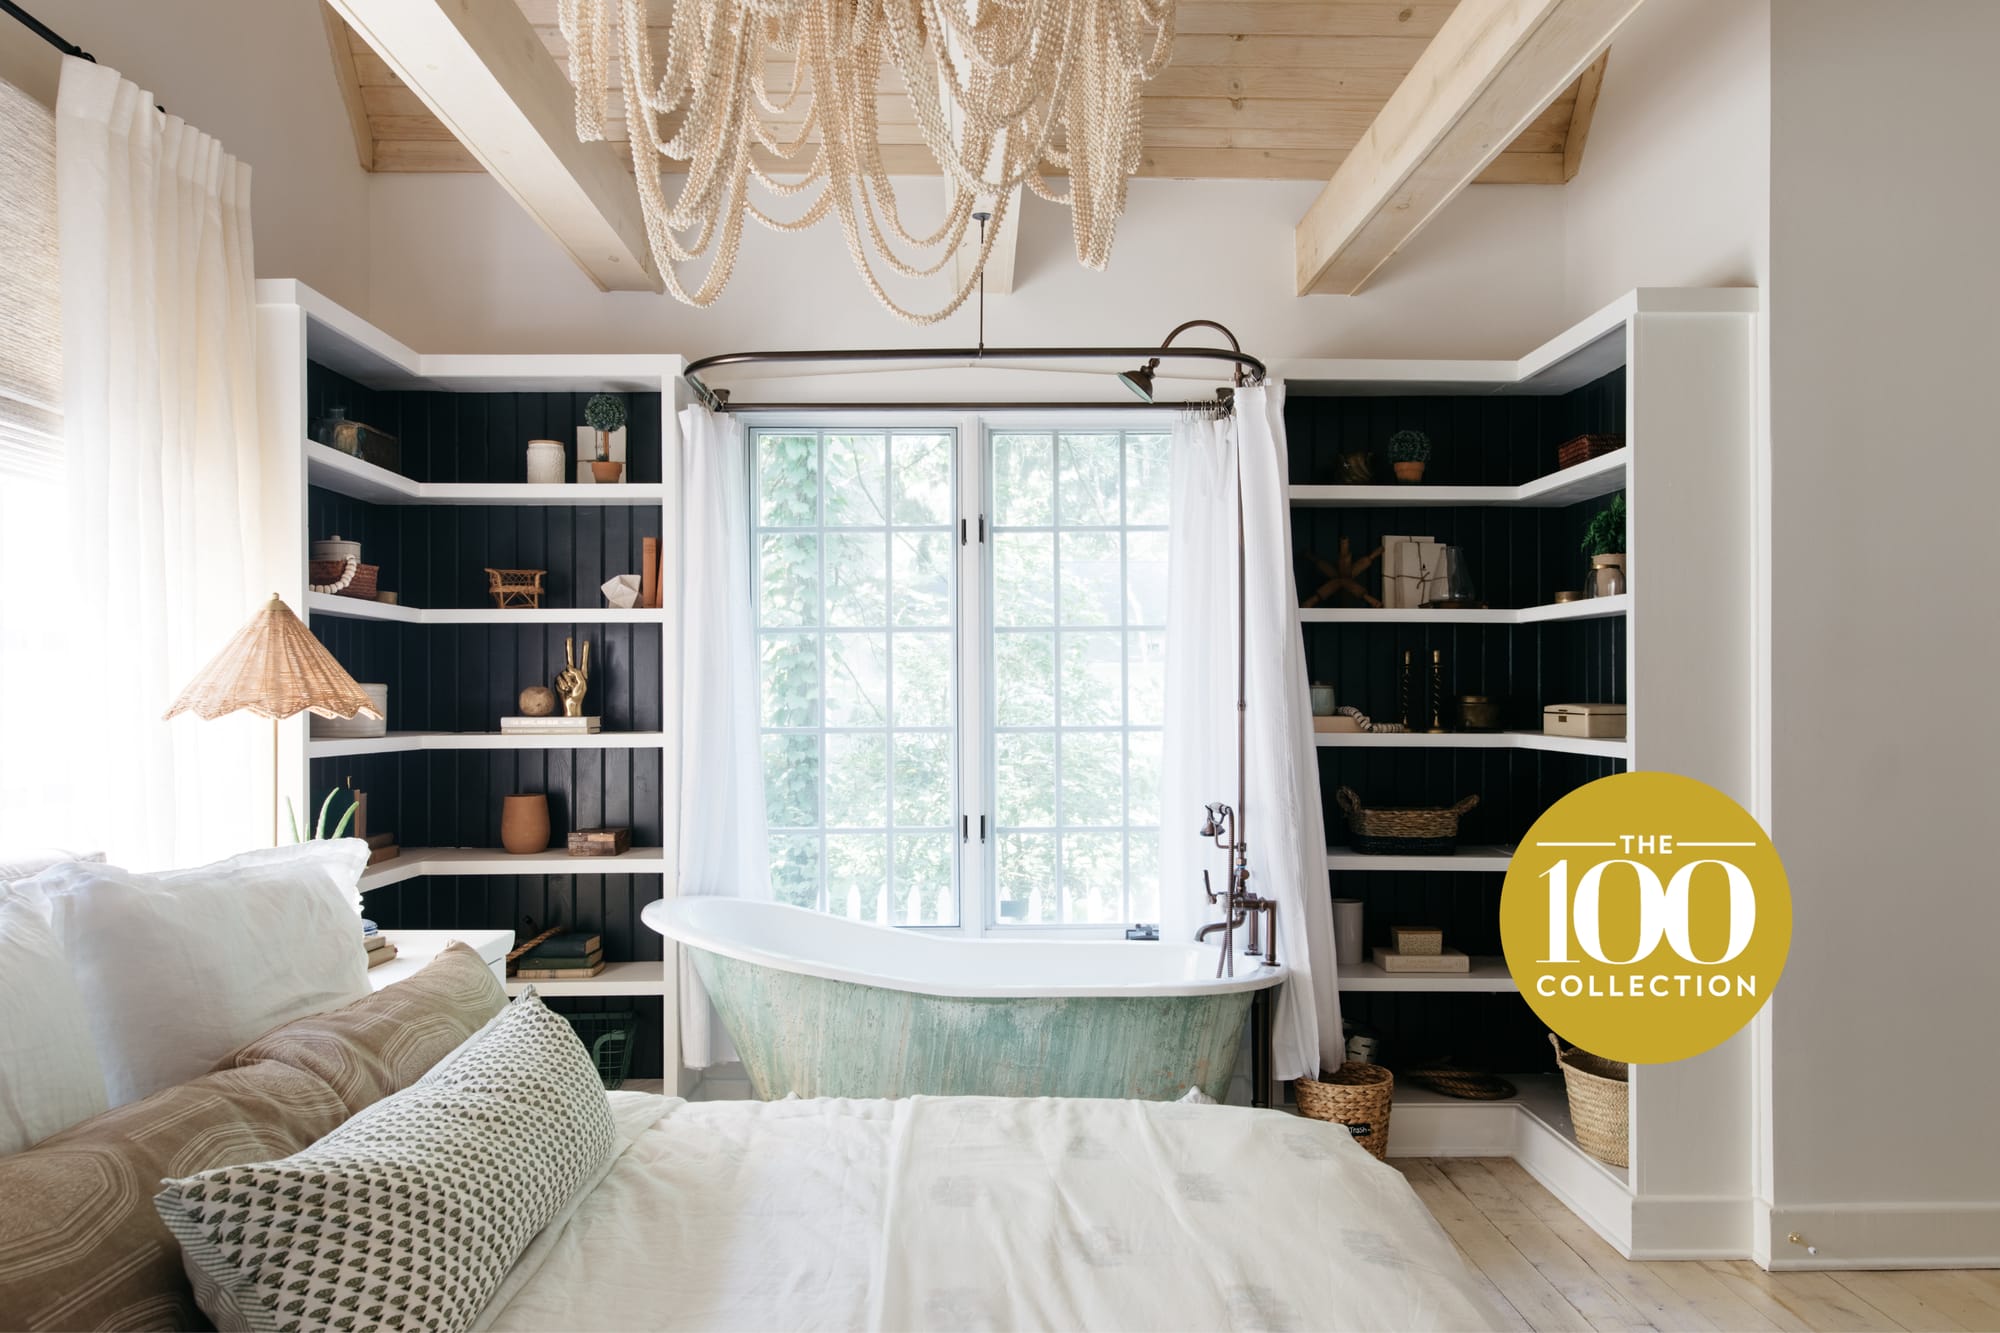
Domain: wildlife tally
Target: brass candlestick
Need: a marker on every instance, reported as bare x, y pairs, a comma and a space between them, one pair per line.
1437, 691
1403, 692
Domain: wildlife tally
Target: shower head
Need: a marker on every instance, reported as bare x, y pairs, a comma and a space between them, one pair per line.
1140, 381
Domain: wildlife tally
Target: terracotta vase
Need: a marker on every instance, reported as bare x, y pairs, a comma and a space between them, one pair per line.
1410, 471
524, 824
605, 473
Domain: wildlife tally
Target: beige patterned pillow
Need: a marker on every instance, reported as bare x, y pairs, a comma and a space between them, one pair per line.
80, 1243
385, 1042
410, 1214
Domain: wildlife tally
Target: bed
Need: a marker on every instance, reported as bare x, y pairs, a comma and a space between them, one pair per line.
986, 1213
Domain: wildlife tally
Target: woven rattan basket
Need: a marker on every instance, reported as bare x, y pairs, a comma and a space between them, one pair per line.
1410, 832
1599, 1104
1355, 1095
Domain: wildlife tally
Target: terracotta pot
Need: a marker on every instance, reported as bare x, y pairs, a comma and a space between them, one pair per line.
1409, 471
524, 824
605, 473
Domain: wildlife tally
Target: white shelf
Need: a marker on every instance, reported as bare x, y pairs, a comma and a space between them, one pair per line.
1620, 748
1467, 858
405, 742
1590, 608
616, 979
335, 471
1486, 974
353, 608
1586, 481
417, 861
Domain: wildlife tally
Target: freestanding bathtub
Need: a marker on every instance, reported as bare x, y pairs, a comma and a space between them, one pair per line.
825, 1007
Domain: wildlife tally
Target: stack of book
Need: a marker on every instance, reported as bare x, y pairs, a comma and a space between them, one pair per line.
557, 725
567, 956
380, 947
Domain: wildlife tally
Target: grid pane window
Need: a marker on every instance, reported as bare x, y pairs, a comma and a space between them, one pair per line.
1078, 595
856, 548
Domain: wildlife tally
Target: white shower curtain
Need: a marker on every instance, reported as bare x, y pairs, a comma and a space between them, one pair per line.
162, 470
1282, 820
723, 847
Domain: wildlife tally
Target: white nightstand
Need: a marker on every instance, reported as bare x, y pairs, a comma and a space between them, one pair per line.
414, 948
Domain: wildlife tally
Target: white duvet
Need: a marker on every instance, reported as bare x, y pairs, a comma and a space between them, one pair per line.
987, 1213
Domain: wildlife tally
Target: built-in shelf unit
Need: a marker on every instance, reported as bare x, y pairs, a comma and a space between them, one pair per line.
455, 663
1670, 371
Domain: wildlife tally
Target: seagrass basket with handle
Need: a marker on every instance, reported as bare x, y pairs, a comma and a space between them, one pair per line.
1416, 831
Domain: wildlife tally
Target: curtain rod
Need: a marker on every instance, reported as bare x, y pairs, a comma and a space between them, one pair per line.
1246, 369
45, 32
1223, 405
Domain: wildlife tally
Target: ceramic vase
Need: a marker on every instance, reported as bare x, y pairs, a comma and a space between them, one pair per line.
524, 824
545, 462
1347, 932
1607, 575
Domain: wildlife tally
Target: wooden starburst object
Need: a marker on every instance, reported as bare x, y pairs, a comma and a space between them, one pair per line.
1343, 576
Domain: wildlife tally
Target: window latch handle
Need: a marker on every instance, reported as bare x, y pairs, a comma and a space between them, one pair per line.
965, 828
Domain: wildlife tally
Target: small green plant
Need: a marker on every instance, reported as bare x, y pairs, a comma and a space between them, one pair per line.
1409, 446
1606, 533
604, 411
319, 830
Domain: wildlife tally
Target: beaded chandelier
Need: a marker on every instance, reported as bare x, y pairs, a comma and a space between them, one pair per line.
1006, 93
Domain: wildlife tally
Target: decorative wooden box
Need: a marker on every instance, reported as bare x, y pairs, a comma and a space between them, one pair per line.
1586, 447
600, 841
1600, 720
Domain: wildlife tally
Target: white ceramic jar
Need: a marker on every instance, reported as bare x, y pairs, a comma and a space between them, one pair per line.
545, 462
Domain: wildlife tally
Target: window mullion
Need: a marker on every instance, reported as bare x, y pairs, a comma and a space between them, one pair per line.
974, 739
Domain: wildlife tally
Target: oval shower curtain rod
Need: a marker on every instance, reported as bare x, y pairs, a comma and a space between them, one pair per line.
1247, 370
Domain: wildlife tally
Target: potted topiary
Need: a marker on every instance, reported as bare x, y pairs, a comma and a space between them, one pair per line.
604, 413
1409, 450
1604, 543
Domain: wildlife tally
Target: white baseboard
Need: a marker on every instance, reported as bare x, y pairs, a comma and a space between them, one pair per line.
1691, 1227
1883, 1235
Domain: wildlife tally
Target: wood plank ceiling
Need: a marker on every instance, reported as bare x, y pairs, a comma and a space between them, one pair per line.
1257, 89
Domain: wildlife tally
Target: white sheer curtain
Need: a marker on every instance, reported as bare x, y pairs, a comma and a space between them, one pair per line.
162, 470
1282, 819
723, 846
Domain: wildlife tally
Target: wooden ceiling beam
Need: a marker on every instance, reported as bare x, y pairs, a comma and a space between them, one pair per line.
480, 69
340, 46
1579, 117
1493, 68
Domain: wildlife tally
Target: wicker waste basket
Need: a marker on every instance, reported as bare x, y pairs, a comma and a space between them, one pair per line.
1355, 1095
1598, 1102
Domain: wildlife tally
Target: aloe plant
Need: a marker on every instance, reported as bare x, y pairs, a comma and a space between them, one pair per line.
319, 829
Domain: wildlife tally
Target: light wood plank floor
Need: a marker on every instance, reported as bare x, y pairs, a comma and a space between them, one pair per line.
1544, 1269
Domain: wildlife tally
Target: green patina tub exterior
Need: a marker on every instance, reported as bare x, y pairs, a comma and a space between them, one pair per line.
822, 1038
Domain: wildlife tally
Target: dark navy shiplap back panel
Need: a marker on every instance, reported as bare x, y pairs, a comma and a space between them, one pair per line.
467, 677
1518, 557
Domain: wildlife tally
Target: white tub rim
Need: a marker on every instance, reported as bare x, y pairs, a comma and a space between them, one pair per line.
700, 921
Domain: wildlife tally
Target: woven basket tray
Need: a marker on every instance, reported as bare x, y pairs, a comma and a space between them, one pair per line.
1599, 1102
1355, 1095
1404, 832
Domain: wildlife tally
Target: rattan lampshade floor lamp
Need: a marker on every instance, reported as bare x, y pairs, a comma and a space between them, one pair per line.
275, 668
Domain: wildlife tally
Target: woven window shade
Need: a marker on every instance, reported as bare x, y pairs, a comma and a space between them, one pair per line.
30, 289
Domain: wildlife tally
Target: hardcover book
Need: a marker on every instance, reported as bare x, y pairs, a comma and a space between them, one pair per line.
1451, 960
559, 973
518, 726
570, 944
559, 963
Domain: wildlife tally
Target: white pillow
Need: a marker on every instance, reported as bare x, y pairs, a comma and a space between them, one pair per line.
179, 969
25, 864
49, 1075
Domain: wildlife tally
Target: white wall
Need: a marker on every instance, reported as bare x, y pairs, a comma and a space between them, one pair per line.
455, 265
1883, 291
256, 75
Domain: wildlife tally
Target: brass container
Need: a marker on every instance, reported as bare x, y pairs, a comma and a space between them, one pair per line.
1478, 712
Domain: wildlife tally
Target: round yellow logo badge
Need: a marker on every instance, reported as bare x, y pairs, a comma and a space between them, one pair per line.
1646, 917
